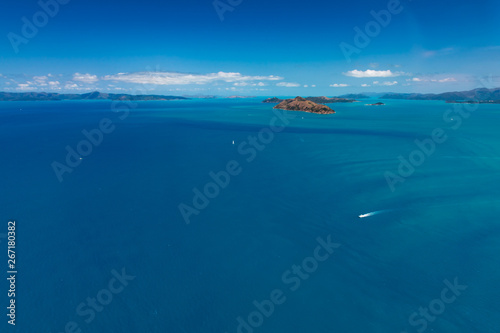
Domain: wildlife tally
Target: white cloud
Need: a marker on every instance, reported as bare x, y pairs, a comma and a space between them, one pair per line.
172, 78
372, 73
339, 85
314, 86
448, 79
74, 86
85, 78
441, 52
306, 86
365, 85
288, 84
40, 81
54, 85
70, 85
39, 78
25, 86
388, 83
244, 84
432, 79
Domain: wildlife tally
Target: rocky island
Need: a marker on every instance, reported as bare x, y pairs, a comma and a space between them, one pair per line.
301, 104
376, 104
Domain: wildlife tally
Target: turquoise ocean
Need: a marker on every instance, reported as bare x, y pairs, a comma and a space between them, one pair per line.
304, 182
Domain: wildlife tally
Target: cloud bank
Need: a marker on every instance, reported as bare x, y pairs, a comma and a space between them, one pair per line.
173, 78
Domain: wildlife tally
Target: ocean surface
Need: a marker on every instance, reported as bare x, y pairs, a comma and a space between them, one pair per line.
423, 256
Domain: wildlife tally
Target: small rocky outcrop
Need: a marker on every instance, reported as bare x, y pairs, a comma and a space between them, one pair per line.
273, 100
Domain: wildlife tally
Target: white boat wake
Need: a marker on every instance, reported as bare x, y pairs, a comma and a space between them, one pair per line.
362, 216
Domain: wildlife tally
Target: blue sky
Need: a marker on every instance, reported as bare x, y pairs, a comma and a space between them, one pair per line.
259, 48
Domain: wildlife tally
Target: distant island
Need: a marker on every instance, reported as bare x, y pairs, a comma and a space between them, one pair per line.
354, 96
320, 100
474, 102
376, 104
475, 96
200, 96
481, 95
326, 100
273, 100
42, 96
301, 104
